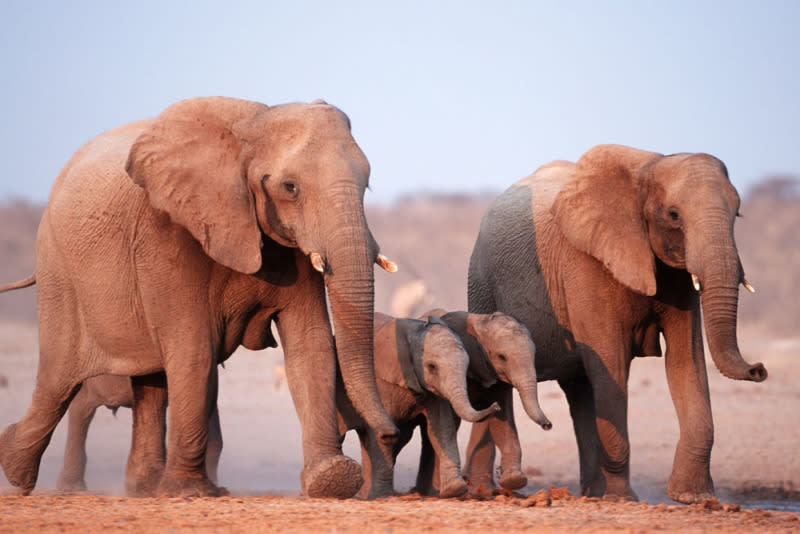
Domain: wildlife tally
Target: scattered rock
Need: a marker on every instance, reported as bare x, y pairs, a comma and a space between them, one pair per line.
558, 494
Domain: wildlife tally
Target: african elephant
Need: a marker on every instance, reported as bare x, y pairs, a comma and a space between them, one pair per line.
598, 258
501, 358
115, 392
169, 242
421, 367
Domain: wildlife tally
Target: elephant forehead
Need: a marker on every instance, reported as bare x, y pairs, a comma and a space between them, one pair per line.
307, 118
312, 139
440, 339
698, 176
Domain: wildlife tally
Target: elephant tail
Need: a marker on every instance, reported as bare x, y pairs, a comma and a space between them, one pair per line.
19, 285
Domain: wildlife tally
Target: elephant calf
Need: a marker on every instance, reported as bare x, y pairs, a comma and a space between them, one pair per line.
115, 392
421, 371
501, 358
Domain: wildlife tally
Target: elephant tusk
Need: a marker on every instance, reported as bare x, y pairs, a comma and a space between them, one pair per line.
748, 287
317, 262
386, 264
696, 283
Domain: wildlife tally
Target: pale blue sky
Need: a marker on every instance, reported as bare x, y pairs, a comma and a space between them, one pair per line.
443, 96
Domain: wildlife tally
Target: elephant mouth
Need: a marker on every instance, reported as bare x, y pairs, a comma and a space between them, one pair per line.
698, 285
320, 263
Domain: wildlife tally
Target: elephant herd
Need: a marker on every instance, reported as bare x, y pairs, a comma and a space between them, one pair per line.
168, 243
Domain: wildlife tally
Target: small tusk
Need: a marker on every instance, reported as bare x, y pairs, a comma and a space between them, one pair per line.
386, 264
317, 262
696, 283
748, 287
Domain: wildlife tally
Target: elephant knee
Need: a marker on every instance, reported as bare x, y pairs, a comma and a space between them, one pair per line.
616, 447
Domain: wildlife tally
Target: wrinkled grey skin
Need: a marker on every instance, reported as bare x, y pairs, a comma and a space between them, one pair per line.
167, 243
115, 392
501, 358
597, 259
421, 368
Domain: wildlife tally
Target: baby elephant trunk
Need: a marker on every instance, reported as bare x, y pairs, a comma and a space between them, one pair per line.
528, 393
466, 411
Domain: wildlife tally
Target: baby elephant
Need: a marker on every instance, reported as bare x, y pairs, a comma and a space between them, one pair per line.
116, 392
421, 370
501, 358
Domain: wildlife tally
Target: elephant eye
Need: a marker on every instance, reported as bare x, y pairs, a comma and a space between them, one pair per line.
502, 357
290, 188
431, 367
674, 216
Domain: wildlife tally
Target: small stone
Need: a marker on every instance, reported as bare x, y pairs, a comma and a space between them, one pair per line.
557, 494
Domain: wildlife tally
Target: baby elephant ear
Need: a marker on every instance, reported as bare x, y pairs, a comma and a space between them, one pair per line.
190, 164
600, 212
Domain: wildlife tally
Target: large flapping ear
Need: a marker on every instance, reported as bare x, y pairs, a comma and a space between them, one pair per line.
599, 210
189, 163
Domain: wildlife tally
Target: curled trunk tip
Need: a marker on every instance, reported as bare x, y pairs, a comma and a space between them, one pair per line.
479, 415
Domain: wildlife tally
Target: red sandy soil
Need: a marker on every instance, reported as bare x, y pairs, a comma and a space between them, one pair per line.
755, 463
90, 513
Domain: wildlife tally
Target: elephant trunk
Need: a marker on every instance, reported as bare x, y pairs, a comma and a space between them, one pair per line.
529, 395
350, 281
717, 273
720, 305
456, 395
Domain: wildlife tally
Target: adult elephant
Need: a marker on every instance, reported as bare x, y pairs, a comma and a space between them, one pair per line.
598, 258
167, 243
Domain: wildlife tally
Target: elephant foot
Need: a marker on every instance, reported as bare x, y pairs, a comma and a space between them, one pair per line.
338, 477
20, 470
173, 485
681, 490
453, 488
143, 482
513, 480
70, 484
618, 489
482, 486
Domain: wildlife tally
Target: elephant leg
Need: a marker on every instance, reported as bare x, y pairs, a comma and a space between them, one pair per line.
23, 443
504, 434
479, 461
442, 431
378, 467
607, 367
148, 453
192, 393
427, 474
690, 480
579, 395
79, 417
214, 449
311, 376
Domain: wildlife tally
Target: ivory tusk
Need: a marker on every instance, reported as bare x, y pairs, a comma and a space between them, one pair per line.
317, 261
696, 283
386, 264
748, 287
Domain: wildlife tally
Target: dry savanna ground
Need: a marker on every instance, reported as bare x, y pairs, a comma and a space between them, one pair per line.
755, 464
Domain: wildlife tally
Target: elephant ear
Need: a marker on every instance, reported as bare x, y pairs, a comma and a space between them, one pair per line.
396, 342
189, 162
600, 211
480, 368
